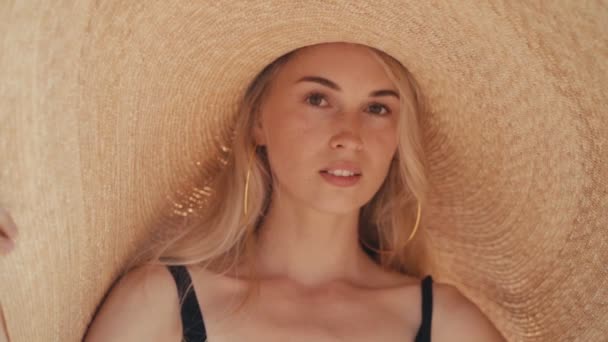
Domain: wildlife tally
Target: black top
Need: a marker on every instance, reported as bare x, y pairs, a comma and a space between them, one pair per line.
194, 327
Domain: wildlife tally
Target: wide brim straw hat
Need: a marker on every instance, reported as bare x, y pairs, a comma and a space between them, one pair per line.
108, 107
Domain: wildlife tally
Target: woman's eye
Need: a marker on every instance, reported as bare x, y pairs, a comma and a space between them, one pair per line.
377, 108
315, 99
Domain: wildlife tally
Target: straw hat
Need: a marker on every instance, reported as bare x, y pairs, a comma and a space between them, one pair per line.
107, 107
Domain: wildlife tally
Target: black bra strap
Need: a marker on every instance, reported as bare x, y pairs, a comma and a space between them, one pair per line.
192, 317
424, 333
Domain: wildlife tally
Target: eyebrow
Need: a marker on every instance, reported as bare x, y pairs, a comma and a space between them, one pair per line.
333, 85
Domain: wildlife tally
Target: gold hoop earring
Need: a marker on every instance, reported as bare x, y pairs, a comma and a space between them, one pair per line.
416, 225
246, 195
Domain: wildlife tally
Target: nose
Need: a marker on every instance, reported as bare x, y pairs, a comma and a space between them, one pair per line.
348, 133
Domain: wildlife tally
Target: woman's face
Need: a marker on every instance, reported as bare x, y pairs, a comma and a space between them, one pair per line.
331, 107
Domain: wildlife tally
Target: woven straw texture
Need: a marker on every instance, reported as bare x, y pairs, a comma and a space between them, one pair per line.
108, 107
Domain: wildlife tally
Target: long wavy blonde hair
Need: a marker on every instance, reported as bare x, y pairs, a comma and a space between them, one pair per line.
220, 236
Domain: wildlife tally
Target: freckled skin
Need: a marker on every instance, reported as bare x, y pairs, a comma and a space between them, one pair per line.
304, 133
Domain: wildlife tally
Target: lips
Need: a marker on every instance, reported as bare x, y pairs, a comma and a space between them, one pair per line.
347, 173
340, 181
344, 166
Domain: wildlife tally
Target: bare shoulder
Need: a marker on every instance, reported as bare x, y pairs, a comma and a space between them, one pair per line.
142, 306
456, 318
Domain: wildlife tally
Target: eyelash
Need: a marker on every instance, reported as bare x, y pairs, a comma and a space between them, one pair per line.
309, 95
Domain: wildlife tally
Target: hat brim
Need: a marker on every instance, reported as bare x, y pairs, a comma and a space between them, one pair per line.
108, 107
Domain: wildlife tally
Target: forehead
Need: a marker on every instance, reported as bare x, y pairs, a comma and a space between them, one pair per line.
340, 62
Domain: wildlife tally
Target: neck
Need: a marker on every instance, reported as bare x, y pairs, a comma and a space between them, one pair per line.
310, 247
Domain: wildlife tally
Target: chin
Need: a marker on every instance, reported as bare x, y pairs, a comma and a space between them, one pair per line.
336, 207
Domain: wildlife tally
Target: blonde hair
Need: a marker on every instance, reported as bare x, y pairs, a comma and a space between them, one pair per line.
219, 237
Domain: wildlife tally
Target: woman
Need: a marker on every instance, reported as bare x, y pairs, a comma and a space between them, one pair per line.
337, 168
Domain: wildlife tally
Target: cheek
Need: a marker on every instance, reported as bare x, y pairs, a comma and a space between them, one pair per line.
381, 151
290, 140
382, 143
290, 130
391, 144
